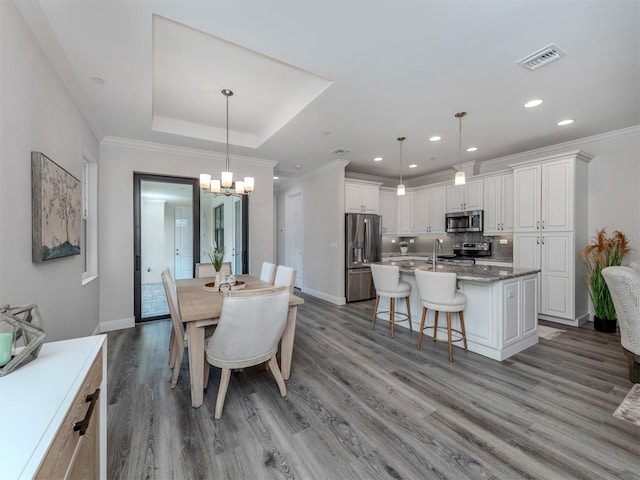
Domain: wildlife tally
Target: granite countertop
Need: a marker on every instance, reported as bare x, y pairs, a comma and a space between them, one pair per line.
475, 273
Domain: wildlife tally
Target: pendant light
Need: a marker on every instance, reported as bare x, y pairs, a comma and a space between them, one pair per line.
400, 190
460, 179
224, 184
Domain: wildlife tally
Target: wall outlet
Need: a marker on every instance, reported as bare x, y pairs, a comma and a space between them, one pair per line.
503, 241
393, 240
412, 240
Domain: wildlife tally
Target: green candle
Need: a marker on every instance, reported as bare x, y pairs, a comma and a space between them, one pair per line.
6, 339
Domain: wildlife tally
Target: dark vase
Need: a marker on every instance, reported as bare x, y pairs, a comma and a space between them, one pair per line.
606, 325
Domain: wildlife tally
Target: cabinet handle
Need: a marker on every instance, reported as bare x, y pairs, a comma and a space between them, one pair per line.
543, 240
538, 225
543, 224
537, 240
84, 424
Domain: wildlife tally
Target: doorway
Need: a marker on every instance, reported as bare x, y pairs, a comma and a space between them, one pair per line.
295, 236
166, 234
225, 223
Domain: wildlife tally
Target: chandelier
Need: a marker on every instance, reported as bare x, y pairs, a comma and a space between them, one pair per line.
225, 185
460, 179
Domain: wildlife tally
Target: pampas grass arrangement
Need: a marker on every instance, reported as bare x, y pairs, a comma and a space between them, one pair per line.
603, 251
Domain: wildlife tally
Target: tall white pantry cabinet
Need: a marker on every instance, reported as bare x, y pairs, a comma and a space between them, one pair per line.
550, 231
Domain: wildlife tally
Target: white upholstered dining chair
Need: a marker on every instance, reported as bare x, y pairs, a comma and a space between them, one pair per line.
268, 272
207, 270
285, 276
178, 335
250, 327
624, 286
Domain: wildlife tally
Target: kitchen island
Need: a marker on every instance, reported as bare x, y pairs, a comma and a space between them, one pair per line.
501, 316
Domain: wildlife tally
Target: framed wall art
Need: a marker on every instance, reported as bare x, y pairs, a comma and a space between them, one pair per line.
57, 210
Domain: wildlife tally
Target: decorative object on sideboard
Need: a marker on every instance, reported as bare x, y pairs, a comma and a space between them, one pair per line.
56, 210
26, 328
224, 185
603, 251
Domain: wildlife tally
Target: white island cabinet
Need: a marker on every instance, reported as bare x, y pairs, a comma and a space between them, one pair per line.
42, 401
501, 316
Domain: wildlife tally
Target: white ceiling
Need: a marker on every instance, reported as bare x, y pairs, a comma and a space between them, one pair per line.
377, 70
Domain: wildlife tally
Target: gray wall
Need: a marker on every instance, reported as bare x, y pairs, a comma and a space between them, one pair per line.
38, 114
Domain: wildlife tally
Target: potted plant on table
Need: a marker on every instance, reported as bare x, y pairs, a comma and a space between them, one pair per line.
216, 255
601, 252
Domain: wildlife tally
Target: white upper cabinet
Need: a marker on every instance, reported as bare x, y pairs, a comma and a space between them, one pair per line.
498, 204
389, 210
544, 197
361, 197
406, 214
420, 211
437, 209
465, 197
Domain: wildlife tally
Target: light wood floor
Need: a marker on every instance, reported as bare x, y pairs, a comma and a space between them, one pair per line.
361, 405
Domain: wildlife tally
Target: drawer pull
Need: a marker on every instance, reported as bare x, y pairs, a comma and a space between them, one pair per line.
84, 424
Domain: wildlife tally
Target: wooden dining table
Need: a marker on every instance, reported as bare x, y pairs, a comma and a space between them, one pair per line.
200, 308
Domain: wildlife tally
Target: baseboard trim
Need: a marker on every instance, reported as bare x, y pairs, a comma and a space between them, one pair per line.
563, 321
117, 324
324, 296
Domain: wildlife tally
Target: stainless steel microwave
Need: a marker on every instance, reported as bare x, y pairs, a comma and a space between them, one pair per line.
461, 222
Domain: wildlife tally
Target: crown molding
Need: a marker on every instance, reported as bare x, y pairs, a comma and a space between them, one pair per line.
183, 151
562, 148
37, 22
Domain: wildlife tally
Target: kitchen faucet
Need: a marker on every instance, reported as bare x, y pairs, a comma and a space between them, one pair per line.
439, 242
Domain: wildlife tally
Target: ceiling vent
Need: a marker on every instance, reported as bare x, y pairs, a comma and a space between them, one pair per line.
542, 57
341, 151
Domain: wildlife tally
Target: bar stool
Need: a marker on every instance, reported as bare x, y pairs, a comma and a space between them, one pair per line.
386, 281
438, 292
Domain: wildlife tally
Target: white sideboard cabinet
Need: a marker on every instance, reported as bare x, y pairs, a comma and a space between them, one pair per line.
54, 413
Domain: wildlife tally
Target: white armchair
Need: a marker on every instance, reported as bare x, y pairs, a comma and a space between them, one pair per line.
624, 286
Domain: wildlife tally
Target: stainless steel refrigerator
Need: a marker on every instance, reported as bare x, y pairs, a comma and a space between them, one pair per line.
363, 247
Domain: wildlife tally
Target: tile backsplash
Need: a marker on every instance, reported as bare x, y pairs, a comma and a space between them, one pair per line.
423, 244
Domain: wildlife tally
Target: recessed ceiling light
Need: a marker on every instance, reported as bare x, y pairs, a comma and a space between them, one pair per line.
98, 80
568, 121
532, 103
275, 177
298, 166
435, 138
413, 165
377, 159
472, 149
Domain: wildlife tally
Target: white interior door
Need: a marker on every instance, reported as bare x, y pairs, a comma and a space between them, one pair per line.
183, 235
295, 235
